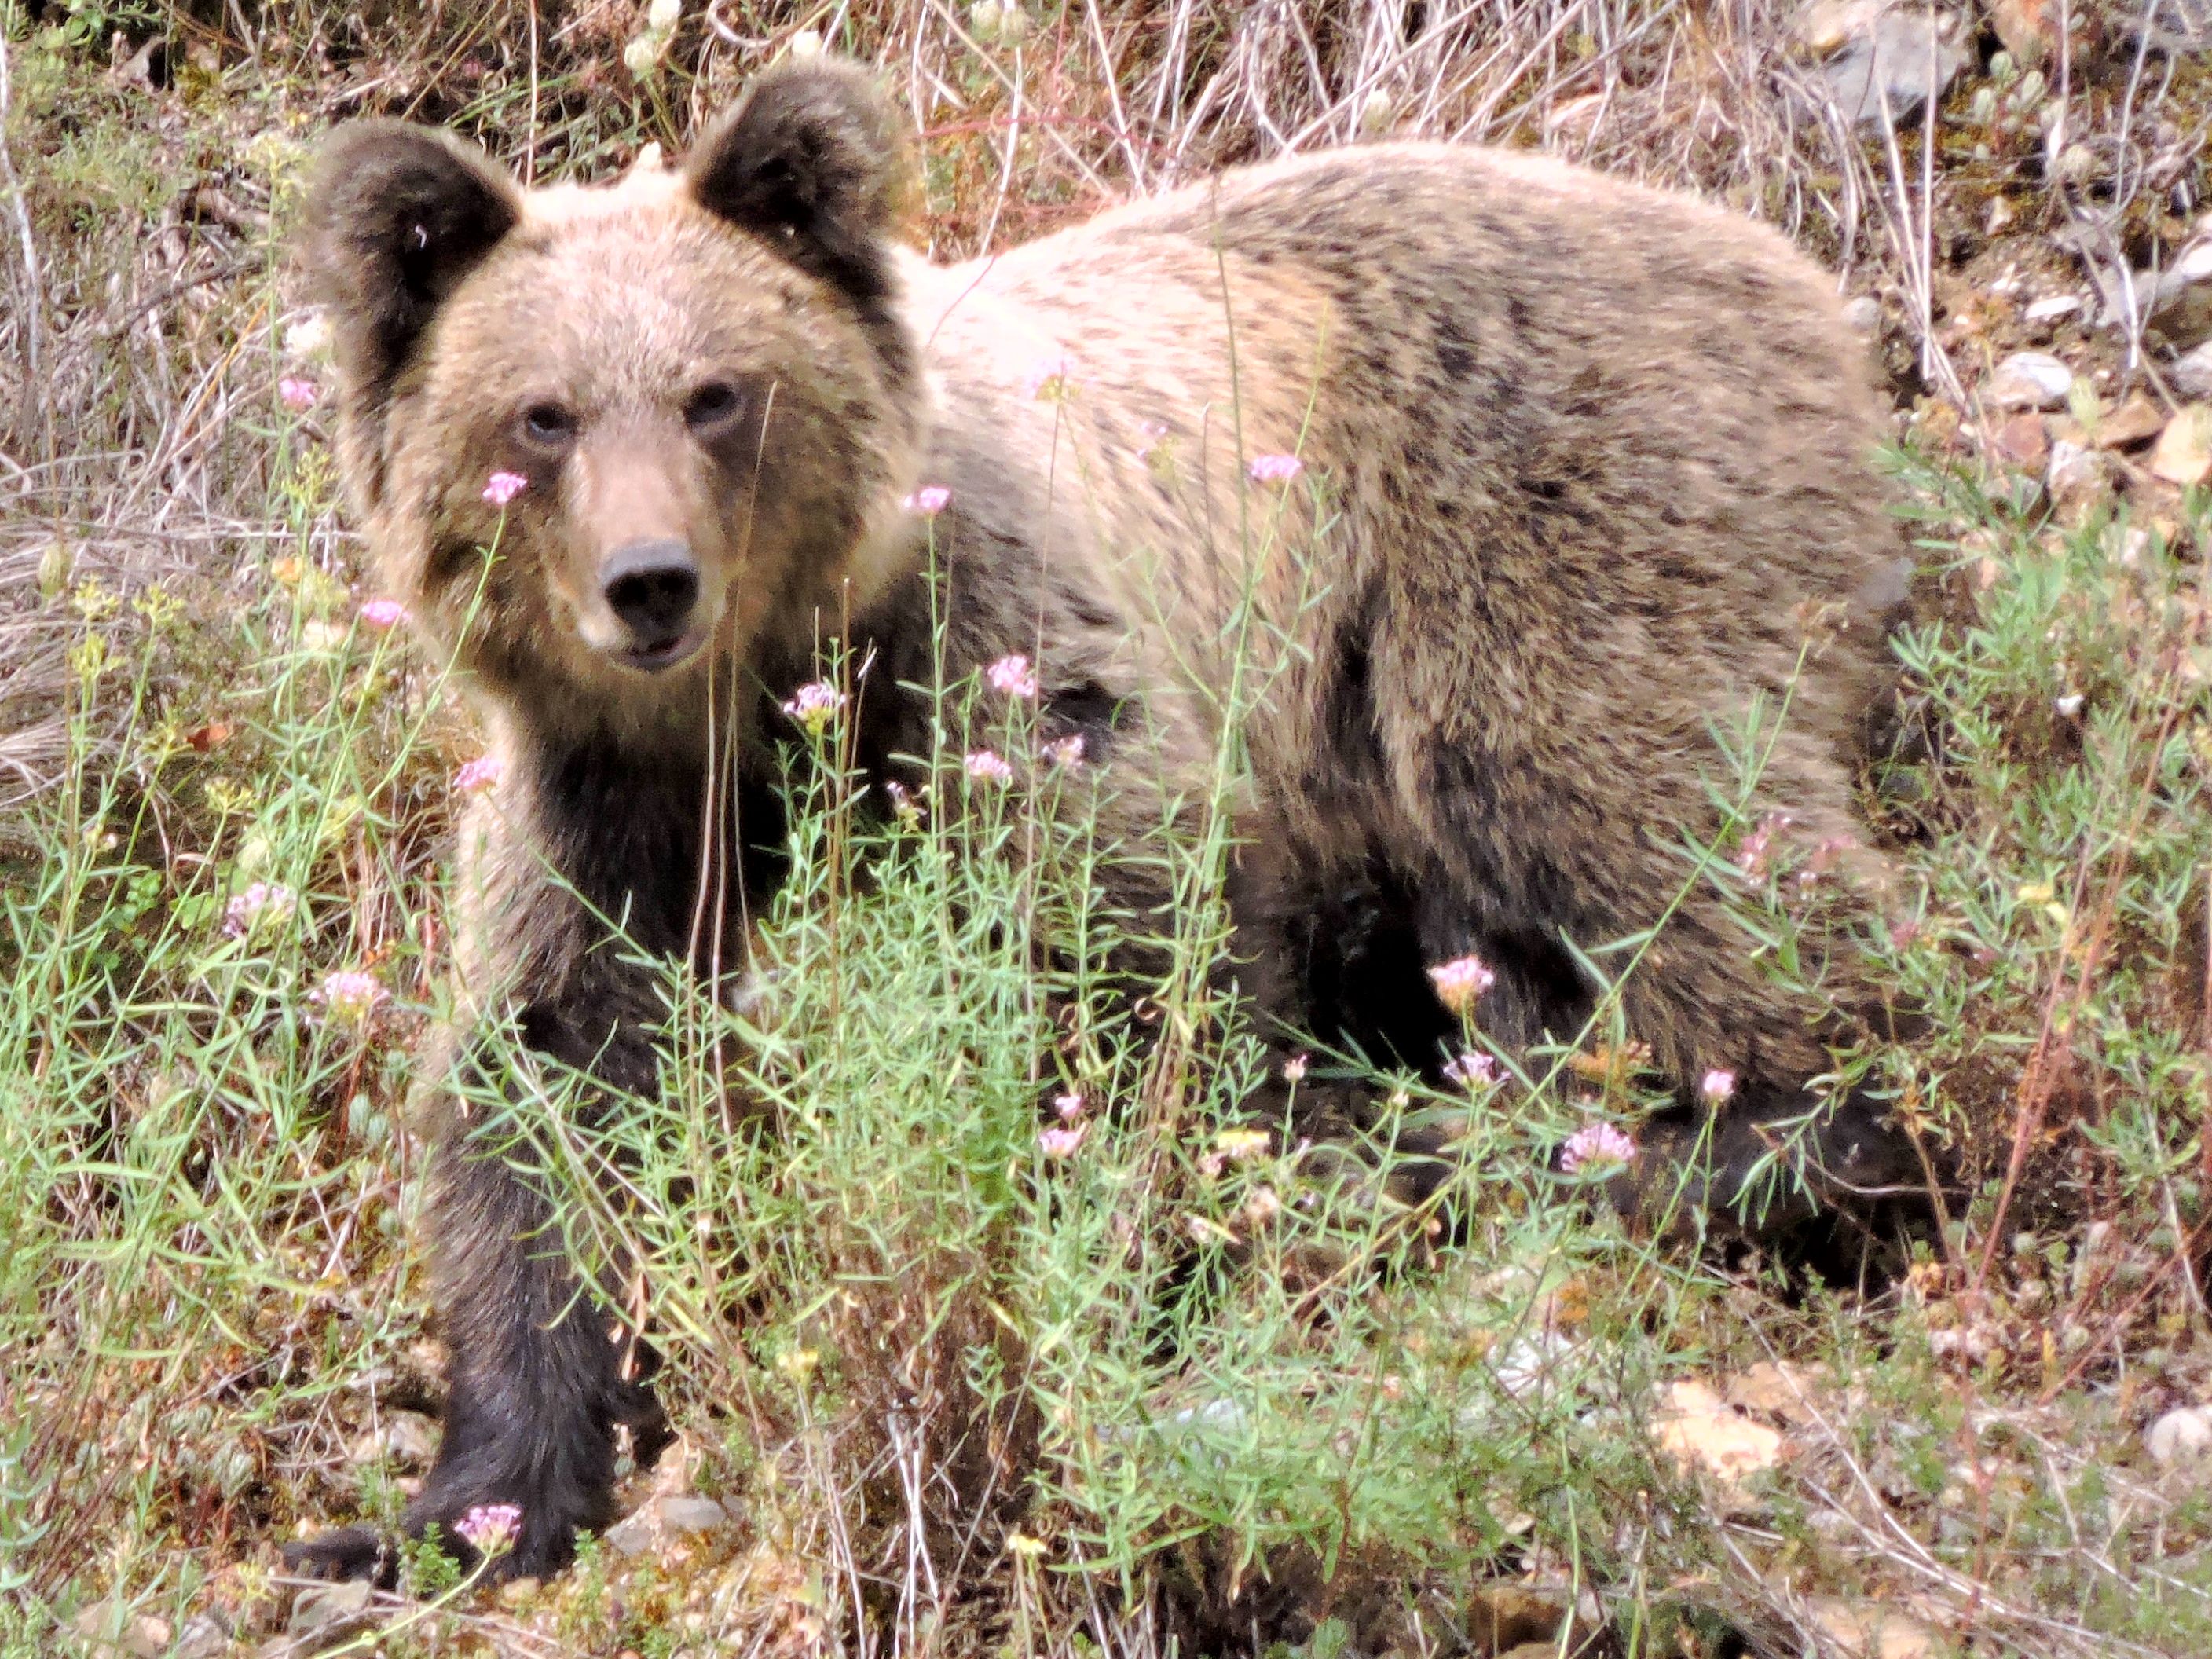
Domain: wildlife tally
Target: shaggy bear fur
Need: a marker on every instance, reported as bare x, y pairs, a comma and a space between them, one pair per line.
1583, 466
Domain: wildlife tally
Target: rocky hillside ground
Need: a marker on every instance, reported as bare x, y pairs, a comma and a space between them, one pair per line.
944, 1384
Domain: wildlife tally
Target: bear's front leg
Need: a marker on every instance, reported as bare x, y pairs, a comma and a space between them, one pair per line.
539, 1376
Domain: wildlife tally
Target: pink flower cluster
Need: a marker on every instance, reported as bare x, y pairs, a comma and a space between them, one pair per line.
1012, 677
1460, 981
1717, 1086
262, 901
1063, 1139
1066, 752
1751, 858
1595, 1145
1050, 379
482, 773
1274, 469
1062, 1142
1475, 1071
350, 996
815, 704
987, 766
383, 613
904, 807
501, 488
298, 395
929, 501
490, 1529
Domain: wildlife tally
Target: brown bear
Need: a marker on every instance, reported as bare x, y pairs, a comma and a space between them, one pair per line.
1511, 482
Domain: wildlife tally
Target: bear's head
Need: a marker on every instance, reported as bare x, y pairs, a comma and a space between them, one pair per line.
604, 439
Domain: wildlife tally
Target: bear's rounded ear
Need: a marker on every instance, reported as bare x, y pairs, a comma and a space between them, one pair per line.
811, 163
396, 216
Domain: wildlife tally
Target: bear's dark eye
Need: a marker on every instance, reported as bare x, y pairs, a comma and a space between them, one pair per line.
713, 404
548, 423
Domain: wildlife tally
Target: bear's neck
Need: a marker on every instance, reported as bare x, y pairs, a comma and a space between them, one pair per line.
627, 828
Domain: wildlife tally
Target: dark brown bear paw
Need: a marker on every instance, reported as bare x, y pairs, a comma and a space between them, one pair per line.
520, 1546
348, 1553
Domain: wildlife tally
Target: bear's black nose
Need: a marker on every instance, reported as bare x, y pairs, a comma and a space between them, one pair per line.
653, 586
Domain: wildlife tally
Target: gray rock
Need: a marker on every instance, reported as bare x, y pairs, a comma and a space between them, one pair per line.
656, 1520
2191, 268
111, 1629
2080, 477
2191, 373
1873, 52
2182, 1439
693, 1514
2030, 380
330, 1608
1863, 315
205, 1635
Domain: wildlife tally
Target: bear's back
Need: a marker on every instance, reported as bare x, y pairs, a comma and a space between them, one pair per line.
1618, 432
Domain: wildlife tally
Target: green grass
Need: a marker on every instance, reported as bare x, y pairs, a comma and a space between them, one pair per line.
895, 1317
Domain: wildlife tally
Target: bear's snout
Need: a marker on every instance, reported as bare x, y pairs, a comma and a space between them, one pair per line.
653, 589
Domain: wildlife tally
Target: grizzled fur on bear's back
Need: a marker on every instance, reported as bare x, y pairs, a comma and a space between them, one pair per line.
1622, 418
1597, 464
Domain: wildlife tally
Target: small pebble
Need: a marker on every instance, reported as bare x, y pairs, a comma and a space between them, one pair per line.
2182, 1439
2079, 478
1863, 315
2191, 373
2031, 379
205, 1636
141, 1635
324, 1606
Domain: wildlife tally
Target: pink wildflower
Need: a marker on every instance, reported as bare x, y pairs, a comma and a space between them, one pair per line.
929, 501
984, 766
1294, 1069
298, 395
384, 613
1050, 379
501, 488
1595, 1145
261, 902
1473, 1071
350, 995
815, 704
1012, 677
1070, 1106
490, 1529
1750, 857
904, 807
1717, 1086
1066, 752
1461, 980
1275, 469
1062, 1143
482, 773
